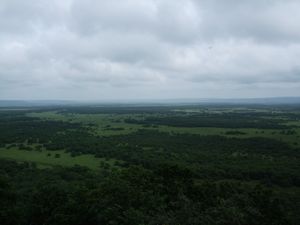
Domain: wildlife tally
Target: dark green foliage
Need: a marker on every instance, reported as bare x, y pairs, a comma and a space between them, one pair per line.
134, 196
224, 120
22, 129
161, 178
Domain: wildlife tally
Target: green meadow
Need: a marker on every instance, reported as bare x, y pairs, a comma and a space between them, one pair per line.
46, 158
113, 124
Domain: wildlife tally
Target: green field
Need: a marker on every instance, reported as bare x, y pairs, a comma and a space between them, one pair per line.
113, 124
46, 158
103, 124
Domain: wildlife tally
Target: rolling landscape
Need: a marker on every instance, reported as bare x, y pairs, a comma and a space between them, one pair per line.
129, 164
149, 112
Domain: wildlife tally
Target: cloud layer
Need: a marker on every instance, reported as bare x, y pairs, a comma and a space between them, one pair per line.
135, 49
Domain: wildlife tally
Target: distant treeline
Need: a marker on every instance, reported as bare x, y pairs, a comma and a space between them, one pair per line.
224, 120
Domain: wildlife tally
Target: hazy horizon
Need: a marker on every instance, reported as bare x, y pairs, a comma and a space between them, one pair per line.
172, 101
144, 50
148, 99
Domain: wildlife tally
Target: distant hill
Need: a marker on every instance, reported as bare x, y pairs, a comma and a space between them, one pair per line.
259, 101
267, 101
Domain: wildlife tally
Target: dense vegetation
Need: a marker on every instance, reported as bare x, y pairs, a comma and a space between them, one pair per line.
225, 120
154, 172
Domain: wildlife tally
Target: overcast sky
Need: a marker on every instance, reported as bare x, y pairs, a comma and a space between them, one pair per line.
149, 49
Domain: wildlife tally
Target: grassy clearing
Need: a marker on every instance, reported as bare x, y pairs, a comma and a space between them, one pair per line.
47, 158
293, 123
103, 124
111, 124
249, 132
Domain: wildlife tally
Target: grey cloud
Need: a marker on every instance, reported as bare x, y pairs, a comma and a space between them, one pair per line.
260, 20
21, 18
169, 20
153, 48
